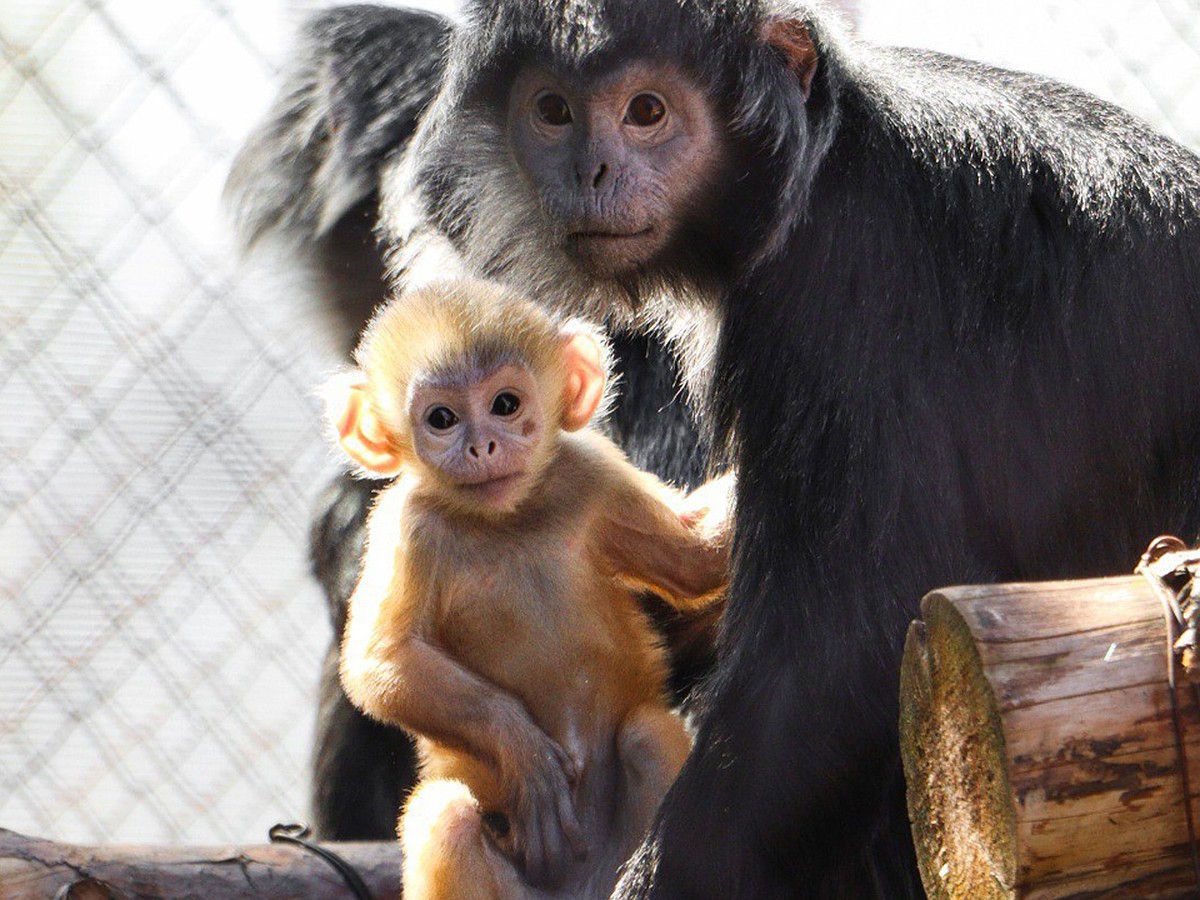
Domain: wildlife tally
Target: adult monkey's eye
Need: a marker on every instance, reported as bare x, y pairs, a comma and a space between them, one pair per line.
645, 110
553, 110
441, 417
505, 404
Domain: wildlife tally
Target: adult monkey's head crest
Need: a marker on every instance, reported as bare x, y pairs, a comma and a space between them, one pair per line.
598, 153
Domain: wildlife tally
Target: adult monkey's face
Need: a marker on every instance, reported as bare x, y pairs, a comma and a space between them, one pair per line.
621, 162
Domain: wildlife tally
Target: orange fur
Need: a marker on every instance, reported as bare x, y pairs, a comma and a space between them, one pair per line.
512, 644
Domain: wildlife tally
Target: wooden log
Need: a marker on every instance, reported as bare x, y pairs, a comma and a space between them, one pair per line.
1039, 745
34, 868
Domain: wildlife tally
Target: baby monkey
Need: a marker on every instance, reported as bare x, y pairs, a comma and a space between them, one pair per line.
497, 615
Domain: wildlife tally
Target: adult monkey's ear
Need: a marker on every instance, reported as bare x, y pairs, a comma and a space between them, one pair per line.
586, 362
791, 38
361, 434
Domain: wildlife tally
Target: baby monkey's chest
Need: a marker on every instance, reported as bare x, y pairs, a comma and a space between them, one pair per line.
535, 598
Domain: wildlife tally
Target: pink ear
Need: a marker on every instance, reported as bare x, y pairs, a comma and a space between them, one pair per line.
791, 38
363, 436
583, 359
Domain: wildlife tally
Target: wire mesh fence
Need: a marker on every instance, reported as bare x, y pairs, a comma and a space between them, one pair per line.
1141, 54
160, 445
159, 449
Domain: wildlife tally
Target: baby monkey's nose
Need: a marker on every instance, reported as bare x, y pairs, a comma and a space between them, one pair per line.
490, 449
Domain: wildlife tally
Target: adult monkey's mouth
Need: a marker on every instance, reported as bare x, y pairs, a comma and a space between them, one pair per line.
609, 253
597, 238
598, 235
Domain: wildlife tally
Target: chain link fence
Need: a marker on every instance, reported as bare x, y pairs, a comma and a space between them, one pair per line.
1141, 54
160, 445
159, 439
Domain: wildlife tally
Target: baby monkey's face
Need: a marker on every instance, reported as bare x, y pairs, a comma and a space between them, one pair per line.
481, 432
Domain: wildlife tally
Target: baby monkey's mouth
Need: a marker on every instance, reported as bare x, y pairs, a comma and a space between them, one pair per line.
484, 478
493, 489
492, 480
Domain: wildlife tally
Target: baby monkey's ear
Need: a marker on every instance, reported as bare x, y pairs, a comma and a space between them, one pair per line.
364, 438
585, 359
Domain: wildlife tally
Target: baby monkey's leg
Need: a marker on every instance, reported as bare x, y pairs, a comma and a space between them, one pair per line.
447, 856
652, 744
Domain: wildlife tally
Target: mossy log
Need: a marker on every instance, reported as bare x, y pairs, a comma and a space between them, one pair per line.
1039, 744
34, 868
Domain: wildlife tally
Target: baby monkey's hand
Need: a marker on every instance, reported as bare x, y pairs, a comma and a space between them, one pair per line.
709, 508
544, 835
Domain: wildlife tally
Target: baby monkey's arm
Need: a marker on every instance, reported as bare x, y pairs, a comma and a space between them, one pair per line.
395, 673
658, 539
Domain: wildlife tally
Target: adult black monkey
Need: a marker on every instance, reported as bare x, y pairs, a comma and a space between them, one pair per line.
959, 319
354, 89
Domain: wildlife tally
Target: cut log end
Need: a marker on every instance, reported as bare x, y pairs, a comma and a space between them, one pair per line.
952, 744
1038, 739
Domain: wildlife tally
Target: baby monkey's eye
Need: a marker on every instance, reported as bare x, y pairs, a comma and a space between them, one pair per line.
441, 417
505, 404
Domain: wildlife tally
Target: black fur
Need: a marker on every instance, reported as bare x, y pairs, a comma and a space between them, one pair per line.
959, 310
968, 361
360, 79
351, 98
362, 769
